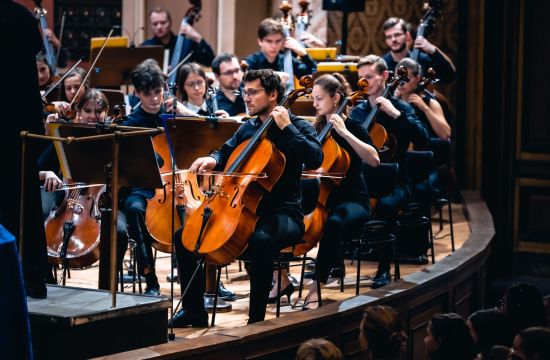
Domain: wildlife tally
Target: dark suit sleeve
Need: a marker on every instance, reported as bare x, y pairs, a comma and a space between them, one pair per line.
443, 68
417, 129
305, 66
301, 140
203, 53
225, 151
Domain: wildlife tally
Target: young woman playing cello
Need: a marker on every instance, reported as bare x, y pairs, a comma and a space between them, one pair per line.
348, 203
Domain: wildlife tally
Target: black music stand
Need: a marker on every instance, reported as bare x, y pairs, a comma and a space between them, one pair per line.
115, 97
96, 160
115, 64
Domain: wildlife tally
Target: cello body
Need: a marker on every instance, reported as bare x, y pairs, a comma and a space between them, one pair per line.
220, 228
73, 229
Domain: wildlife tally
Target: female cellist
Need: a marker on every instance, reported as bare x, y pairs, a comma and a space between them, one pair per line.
348, 204
275, 220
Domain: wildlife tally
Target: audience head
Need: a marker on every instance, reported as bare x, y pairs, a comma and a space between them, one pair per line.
270, 38
489, 327
523, 305
263, 89
381, 333
533, 343
447, 337
318, 349
375, 70
161, 21
496, 352
92, 107
396, 34
192, 80
228, 71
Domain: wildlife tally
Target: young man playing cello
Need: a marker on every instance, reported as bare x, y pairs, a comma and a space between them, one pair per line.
280, 216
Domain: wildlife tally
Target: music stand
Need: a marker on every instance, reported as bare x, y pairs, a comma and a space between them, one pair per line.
114, 67
115, 155
115, 97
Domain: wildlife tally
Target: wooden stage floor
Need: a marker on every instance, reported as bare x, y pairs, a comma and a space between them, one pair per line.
236, 281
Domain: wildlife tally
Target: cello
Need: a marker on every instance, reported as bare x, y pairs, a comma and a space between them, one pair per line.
288, 25
302, 21
384, 142
336, 162
183, 45
220, 229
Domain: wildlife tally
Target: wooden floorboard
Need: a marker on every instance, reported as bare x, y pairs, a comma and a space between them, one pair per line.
237, 282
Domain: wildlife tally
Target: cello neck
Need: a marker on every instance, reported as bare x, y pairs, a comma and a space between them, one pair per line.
374, 111
326, 130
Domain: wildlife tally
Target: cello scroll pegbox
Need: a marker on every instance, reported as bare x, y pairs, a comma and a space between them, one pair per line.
402, 75
363, 85
306, 81
244, 66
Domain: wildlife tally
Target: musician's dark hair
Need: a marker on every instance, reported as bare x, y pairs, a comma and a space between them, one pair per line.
383, 329
147, 76
318, 349
77, 71
411, 65
221, 58
93, 95
391, 22
269, 26
183, 73
160, 9
269, 80
41, 56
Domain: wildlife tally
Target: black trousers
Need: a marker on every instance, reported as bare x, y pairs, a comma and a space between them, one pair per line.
134, 207
342, 222
270, 236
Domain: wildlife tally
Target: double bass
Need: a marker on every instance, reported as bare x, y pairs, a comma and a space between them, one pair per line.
51, 58
336, 161
427, 24
220, 229
288, 26
183, 44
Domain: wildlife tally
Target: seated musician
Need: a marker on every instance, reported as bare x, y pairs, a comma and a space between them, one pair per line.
45, 76
69, 88
280, 216
397, 34
161, 21
348, 203
192, 86
400, 120
272, 41
148, 81
228, 72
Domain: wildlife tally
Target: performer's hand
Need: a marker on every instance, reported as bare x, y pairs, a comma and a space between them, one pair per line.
280, 115
222, 113
417, 101
51, 181
52, 38
284, 77
293, 44
338, 124
62, 107
387, 107
421, 43
190, 33
203, 164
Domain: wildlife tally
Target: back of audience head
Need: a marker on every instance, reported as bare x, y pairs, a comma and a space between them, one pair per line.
489, 327
496, 352
318, 349
448, 337
532, 343
523, 305
381, 333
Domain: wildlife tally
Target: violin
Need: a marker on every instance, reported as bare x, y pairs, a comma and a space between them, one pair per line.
220, 228
73, 229
183, 45
336, 161
385, 143
427, 23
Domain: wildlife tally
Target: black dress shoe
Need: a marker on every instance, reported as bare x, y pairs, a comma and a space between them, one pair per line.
382, 278
286, 291
152, 291
183, 318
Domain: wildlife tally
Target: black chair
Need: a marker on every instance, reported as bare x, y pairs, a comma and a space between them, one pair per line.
420, 164
381, 181
446, 180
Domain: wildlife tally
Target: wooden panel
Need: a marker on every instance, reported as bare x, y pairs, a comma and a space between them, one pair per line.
532, 206
464, 302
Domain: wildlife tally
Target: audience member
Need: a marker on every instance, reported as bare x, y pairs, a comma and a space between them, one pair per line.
532, 343
496, 352
381, 333
489, 327
318, 349
522, 304
447, 338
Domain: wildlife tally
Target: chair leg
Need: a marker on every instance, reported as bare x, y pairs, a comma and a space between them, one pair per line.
440, 209
216, 293
397, 269
342, 267
278, 288
302, 274
431, 239
451, 225
358, 276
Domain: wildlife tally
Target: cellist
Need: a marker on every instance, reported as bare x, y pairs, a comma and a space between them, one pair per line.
280, 216
348, 203
400, 120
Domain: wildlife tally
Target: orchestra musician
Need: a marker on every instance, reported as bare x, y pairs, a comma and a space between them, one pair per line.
192, 83
149, 83
161, 22
69, 86
348, 203
272, 41
45, 76
229, 74
397, 34
400, 120
280, 216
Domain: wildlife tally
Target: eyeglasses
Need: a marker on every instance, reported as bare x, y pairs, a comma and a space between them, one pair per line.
394, 36
193, 84
231, 72
251, 92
